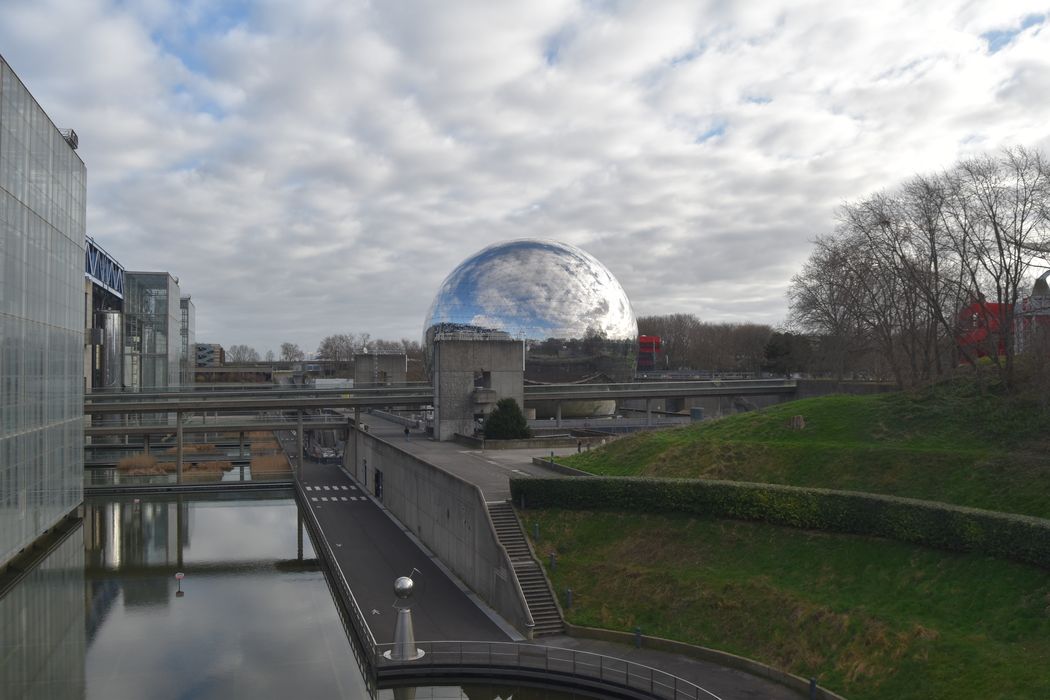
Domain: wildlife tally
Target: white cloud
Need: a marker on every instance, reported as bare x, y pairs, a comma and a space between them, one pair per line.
317, 167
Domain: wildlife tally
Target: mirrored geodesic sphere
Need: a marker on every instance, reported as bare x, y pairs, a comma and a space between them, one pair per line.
574, 317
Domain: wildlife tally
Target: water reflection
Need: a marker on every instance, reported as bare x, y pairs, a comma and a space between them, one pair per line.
256, 619
42, 638
99, 616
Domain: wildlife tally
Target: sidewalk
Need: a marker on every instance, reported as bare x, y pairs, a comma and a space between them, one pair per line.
724, 683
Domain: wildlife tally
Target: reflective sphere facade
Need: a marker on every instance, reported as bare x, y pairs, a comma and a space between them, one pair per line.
574, 317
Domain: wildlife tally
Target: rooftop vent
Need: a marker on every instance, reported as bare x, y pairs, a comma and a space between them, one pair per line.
71, 138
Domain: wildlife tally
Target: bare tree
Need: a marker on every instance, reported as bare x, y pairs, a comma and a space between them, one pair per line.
338, 348
240, 354
823, 299
290, 352
931, 267
997, 216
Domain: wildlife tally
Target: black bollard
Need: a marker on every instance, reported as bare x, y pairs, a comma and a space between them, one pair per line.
812, 689
568, 598
637, 637
536, 531
554, 561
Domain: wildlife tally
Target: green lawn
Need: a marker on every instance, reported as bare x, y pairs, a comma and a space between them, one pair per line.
870, 618
951, 443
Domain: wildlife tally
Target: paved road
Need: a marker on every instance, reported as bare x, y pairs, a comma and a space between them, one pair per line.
489, 469
372, 551
723, 683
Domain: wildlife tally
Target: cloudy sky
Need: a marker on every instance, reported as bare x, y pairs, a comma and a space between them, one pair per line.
310, 167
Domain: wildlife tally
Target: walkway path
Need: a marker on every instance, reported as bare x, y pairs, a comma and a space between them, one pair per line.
372, 550
489, 469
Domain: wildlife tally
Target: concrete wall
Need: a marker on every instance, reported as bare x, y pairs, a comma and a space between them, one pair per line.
380, 369
449, 516
458, 367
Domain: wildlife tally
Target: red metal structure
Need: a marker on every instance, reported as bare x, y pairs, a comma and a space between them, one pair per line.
648, 349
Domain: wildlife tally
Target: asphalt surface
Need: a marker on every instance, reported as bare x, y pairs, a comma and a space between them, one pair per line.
491, 470
372, 550
721, 682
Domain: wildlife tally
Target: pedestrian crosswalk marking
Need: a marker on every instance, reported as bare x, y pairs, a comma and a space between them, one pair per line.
313, 498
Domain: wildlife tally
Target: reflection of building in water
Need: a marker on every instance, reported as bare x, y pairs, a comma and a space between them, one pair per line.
125, 535
42, 623
135, 532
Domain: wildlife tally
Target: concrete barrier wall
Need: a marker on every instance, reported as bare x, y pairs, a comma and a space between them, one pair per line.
450, 517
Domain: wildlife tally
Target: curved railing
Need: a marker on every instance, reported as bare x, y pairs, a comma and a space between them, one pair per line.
572, 667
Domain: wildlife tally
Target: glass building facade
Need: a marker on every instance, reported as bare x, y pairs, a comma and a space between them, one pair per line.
42, 228
152, 323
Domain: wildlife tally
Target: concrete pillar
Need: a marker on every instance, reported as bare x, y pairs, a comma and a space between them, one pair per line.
178, 447
145, 444
648, 411
557, 414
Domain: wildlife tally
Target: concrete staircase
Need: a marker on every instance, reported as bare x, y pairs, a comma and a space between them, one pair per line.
530, 576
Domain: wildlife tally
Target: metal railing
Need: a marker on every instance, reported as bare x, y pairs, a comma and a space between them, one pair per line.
349, 605
655, 388
543, 662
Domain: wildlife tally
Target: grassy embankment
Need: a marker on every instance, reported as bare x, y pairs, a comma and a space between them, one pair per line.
951, 443
868, 617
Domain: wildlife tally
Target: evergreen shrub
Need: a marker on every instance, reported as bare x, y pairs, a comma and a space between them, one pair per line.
956, 528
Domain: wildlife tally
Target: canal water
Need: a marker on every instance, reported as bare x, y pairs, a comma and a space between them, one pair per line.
104, 617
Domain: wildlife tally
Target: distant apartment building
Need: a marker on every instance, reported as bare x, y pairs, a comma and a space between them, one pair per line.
42, 338
210, 355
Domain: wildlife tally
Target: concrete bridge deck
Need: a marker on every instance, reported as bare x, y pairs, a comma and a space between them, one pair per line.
372, 550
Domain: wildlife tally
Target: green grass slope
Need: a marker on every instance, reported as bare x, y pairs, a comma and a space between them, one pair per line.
870, 618
953, 443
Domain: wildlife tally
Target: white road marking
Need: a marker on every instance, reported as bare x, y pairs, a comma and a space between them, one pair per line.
344, 498
313, 498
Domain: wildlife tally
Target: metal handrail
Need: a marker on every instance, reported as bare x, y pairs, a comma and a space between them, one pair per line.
352, 607
546, 661
643, 387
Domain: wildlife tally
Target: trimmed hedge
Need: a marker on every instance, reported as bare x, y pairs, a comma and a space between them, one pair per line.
1018, 537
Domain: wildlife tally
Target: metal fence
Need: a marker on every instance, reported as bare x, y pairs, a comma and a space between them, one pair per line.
544, 662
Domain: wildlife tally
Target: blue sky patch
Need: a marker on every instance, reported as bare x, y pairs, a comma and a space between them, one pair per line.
718, 128
999, 38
